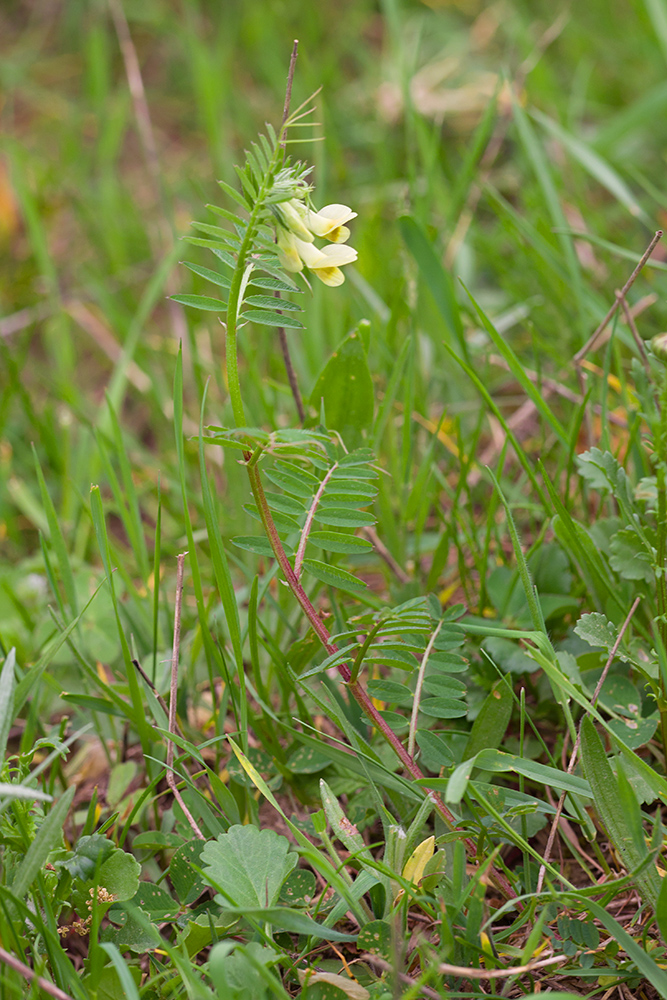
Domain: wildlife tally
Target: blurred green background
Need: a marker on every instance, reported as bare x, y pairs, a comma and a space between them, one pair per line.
500, 128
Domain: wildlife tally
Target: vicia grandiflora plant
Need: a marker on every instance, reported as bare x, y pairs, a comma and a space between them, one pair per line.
325, 488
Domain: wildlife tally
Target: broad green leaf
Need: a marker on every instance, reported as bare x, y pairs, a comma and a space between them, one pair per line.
596, 630
132, 930
619, 813
443, 708
496, 761
629, 556
118, 873
204, 302
435, 751
445, 685
300, 887
307, 760
188, 883
603, 472
492, 720
89, 852
345, 387
635, 732
333, 575
391, 692
266, 318
375, 938
250, 865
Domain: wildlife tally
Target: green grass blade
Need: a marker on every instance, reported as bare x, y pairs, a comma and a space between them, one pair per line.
48, 837
57, 540
139, 719
134, 521
488, 399
214, 658
7, 689
595, 165
540, 164
518, 370
223, 580
438, 281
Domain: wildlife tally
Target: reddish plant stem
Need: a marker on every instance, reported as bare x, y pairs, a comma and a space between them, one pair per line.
358, 692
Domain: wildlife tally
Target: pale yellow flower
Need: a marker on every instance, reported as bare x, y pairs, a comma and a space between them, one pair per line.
329, 222
325, 263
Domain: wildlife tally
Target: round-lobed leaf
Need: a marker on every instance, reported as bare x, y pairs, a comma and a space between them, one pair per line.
249, 864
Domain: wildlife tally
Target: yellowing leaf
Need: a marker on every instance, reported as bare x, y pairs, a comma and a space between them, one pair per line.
350, 987
416, 863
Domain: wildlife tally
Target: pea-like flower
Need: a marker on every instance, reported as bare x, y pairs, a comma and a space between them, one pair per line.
325, 263
329, 222
297, 228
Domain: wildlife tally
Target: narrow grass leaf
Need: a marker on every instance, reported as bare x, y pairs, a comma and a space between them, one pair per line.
497, 761
7, 687
48, 837
56, 538
438, 281
595, 165
518, 370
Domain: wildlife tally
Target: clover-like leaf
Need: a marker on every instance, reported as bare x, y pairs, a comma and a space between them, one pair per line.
250, 865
